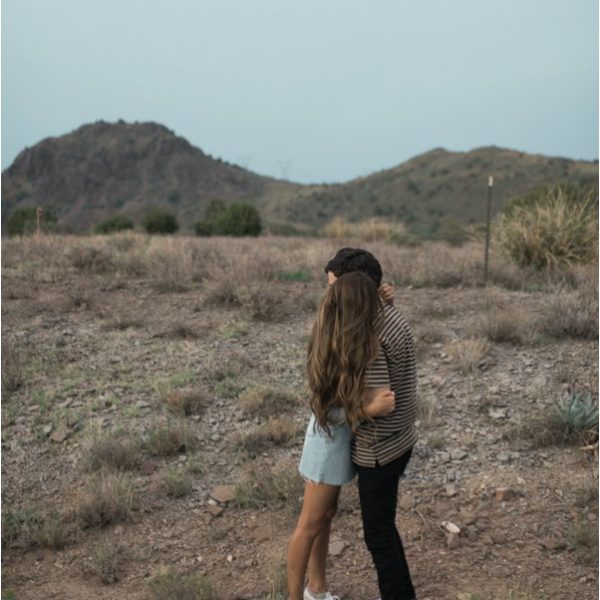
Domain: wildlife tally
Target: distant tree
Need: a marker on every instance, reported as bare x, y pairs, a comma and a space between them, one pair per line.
239, 219
211, 214
23, 221
114, 223
160, 221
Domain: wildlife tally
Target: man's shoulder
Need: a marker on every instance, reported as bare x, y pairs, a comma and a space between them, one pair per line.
394, 324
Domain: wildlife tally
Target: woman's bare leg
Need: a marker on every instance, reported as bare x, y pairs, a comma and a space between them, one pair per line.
317, 562
318, 508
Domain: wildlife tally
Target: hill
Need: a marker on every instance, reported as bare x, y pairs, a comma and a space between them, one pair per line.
103, 168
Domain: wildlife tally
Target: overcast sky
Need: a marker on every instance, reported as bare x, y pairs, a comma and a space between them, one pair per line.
312, 90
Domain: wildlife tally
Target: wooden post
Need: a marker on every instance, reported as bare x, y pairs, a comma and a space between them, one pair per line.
487, 230
39, 215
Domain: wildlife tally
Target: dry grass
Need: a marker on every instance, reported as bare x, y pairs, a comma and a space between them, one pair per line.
106, 498
260, 486
175, 483
427, 411
31, 526
507, 326
106, 560
266, 401
174, 585
583, 535
170, 437
123, 321
276, 431
573, 313
13, 366
186, 402
467, 354
110, 451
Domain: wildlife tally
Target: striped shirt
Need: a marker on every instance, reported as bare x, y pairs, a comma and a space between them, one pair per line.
386, 438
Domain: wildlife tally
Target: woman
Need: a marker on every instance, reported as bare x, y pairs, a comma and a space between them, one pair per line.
342, 348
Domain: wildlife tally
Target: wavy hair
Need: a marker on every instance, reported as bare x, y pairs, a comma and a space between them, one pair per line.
343, 343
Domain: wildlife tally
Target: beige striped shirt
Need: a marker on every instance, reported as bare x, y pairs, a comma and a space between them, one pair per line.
386, 438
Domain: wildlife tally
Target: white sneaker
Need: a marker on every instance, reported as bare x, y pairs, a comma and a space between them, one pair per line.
308, 595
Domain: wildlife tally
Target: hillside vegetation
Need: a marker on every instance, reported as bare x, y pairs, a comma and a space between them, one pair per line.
87, 176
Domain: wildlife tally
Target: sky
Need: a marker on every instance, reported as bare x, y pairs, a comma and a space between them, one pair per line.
311, 91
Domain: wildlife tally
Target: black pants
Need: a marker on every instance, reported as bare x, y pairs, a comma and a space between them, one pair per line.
378, 491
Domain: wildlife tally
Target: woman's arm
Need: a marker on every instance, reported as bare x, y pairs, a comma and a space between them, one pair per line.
378, 402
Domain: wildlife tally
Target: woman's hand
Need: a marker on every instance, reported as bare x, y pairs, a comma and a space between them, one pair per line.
386, 291
382, 404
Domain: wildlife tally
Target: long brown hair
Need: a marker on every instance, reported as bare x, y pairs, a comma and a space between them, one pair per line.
343, 343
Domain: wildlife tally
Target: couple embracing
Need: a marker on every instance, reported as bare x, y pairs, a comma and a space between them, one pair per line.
362, 380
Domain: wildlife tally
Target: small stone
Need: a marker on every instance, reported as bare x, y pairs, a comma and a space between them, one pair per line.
147, 468
229, 558
504, 494
47, 430
60, 435
223, 493
337, 547
444, 457
503, 457
451, 490
407, 502
452, 540
552, 543
214, 510
472, 533
458, 454
498, 413
215, 437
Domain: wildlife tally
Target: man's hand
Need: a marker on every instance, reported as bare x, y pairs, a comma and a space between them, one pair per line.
382, 404
386, 291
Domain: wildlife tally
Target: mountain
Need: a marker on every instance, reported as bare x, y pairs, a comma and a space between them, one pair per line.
103, 168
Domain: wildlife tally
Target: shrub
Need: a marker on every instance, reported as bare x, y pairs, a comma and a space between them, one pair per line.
508, 326
13, 371
573, 314
267, 401
160, 221
467, 354
32, 527
115, 223
238, 219
259, 487
186, 402
278, 432
176, 483
553, 228
170, 438
106, 560
23, 221
578, 416
180, 586
111, 452
106, 499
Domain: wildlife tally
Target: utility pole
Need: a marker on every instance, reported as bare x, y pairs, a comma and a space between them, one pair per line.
487, 230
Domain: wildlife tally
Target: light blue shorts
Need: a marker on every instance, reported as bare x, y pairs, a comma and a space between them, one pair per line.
327, 459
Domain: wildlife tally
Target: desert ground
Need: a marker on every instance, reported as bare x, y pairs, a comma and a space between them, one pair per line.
154, 407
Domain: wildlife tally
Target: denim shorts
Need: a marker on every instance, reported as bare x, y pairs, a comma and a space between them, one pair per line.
327, 459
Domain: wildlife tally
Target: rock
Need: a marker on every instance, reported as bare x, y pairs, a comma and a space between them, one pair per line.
60, 435
147, 468
47, 430
503, 457
223, 493
504, 494
214, 510
498, 413
472, 533
458, 454
407, 502
552, 543
451, 490
443, 457
452, 540
337, 547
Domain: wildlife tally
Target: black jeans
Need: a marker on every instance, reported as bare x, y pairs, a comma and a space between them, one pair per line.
378, 491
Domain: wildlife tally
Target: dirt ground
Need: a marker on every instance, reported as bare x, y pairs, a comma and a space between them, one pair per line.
100, 350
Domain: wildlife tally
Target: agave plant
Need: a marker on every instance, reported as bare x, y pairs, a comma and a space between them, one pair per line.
578, 414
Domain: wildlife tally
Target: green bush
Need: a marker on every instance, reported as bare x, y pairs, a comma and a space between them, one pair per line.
114, 223
238, 219
213, 210
551, 228
23, 221
160, 221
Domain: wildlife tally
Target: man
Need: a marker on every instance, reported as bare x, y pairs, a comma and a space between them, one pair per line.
381, 449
